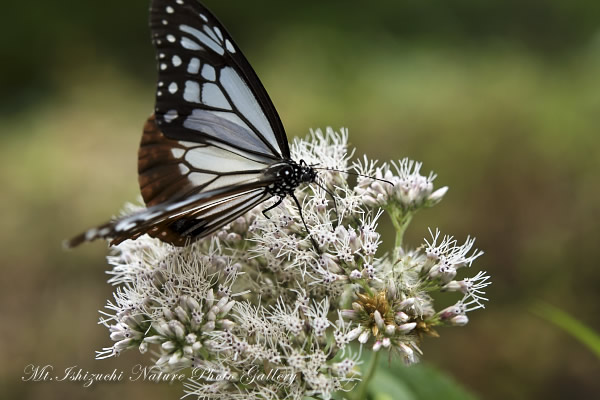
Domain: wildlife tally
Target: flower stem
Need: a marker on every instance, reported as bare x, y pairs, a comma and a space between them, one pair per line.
361, 392
400, 220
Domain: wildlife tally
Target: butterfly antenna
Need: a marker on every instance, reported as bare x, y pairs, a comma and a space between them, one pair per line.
354, 173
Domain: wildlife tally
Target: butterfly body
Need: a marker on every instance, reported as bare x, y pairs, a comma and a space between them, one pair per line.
287, 176
215, 147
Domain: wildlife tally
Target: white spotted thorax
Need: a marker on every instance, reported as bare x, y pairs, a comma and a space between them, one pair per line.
255, 293
288, 176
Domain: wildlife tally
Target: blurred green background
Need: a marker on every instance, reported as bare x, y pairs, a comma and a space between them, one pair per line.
500, 98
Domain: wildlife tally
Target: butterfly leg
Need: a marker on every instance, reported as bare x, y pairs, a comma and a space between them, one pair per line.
304, 222
322, 186
280, 199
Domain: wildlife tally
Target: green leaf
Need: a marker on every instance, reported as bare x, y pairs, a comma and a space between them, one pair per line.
396, 381
385, 386
561, 319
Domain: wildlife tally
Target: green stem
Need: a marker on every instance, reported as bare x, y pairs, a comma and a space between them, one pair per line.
361, 392
400, 220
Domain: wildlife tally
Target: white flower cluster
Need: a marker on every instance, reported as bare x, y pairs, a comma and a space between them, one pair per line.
281, 313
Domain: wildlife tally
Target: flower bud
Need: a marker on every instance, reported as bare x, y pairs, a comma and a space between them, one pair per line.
156, 339
405, 328
143, 348
175, 358
354, 333
401, 317
364, 336
191, 338
210, 297
227, 307
177, 328
181, 314
437, 196
168, 314
226, 324
390, 329
407, 303
459, 320
209, 326
192, 304
169, 346
377, 345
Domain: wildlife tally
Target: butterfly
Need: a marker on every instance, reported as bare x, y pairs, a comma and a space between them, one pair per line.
215, 146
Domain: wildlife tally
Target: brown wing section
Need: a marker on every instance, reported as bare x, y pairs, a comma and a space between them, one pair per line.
161, 175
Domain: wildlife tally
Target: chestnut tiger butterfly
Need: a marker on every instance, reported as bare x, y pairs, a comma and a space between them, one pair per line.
215, 147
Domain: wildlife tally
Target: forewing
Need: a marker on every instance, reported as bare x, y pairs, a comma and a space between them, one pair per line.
207, 91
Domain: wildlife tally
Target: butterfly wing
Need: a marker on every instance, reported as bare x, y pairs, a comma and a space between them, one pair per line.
177, 222
205, 154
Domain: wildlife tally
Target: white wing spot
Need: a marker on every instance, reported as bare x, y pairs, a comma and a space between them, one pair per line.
163, 66
162, 55
89, 235
161, 84
229, 46
180, 2
208, 72
165, 22
214, 97
194, 66
170, 115
183, 169
218, 32
177, 152
159, 93
190, 44
203, 17
176, 61
171, 38
173, 88
192, 92
170, 10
